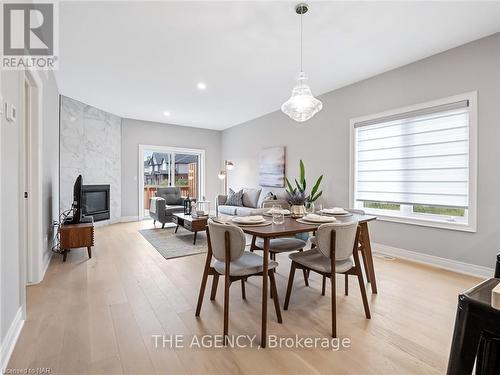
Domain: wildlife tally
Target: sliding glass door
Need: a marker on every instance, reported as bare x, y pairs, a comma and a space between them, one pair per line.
167, 166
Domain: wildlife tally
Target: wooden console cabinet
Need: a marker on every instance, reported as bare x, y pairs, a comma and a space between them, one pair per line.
73, 236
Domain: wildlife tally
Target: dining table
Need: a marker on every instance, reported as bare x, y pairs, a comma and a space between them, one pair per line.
291, 227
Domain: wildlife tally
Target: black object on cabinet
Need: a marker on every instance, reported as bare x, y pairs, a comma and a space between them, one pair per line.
475, 315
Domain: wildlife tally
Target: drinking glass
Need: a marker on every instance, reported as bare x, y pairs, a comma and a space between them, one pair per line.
319, 207
278, 218
276, 208
310, 207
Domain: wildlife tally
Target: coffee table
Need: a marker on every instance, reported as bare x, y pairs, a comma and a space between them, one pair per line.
192, 224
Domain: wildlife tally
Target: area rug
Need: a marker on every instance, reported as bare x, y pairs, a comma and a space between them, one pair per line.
174, 245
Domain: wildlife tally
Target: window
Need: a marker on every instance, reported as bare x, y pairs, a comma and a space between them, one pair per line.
418, 164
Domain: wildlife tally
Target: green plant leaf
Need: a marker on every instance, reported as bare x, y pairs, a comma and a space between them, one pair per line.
299, 187
302, 173
316, 186
312, 199
289, 185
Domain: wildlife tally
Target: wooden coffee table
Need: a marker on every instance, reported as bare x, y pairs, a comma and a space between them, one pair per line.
192, 224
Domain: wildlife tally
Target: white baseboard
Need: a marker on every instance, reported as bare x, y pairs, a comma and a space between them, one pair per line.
126, 219
447, 264
10, 339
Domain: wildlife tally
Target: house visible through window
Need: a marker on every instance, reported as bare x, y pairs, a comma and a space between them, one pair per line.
417, 164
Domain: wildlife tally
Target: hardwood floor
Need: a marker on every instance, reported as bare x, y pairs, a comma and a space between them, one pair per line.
97, 316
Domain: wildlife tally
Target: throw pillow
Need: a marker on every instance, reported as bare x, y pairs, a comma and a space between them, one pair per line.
234, 198
251, 197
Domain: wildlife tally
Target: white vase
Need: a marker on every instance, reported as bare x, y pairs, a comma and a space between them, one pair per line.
298, 210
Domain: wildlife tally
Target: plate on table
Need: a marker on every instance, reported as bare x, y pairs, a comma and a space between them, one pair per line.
313, 218
248, 220
335, 211
270, 213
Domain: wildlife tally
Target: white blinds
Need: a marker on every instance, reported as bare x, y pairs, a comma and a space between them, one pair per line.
420, 157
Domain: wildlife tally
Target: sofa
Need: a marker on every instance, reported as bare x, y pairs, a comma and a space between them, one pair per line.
168, 200
256, 201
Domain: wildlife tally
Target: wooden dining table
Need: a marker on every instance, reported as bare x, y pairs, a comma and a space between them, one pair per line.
292, 227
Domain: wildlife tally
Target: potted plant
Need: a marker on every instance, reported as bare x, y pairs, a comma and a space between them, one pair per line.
297, 195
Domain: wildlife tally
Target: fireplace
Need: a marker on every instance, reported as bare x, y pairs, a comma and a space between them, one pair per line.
95, 199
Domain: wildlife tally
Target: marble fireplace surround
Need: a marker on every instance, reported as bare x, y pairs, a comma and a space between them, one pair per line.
90, 145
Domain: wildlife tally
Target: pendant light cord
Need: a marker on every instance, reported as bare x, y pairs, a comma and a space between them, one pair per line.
301, 15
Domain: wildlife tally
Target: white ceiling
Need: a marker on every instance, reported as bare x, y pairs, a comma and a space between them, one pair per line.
138, 59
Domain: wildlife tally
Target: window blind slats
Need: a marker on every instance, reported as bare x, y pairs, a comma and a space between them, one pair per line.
422, 159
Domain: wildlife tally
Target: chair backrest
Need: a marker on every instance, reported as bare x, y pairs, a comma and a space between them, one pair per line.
237, 240
345, 235
171, 194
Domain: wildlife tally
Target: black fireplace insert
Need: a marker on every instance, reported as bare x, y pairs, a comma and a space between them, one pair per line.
95, 199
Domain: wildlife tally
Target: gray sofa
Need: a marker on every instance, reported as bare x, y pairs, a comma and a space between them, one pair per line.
256, 201
168, 201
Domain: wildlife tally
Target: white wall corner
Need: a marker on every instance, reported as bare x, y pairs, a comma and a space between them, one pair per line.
447, 264
10, 340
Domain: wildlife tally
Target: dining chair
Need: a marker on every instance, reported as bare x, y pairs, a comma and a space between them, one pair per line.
356, 211
226, 243
282, 244
335, 253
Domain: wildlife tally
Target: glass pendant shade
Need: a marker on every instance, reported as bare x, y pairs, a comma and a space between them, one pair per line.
302, 105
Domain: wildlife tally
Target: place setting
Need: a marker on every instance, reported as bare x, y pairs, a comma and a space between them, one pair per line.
335, 211
313, 218
254, 221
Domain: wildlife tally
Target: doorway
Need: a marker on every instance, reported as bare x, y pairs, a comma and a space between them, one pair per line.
30, 189
161, 166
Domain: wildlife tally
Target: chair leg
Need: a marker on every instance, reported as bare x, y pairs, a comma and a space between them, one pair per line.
290, 284
275, 296
363, 293
154, 222
323, 285
227, 282
215, 283
334, 307
204, 279
346, 284
306, 277
163, 226
365, 266
243, 294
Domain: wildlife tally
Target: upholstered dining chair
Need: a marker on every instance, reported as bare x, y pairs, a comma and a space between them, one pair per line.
360, 245
335, 253
282, 244
226, 244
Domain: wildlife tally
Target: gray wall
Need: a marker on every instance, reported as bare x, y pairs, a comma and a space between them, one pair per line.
136, 132
91, 146
10, 231
323, 143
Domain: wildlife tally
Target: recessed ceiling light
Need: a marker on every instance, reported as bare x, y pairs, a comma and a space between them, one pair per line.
166, 113
201, 86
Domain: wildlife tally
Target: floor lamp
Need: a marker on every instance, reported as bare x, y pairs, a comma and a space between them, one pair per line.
228, 165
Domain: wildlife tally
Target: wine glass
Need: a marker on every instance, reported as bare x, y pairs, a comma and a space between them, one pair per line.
310, 207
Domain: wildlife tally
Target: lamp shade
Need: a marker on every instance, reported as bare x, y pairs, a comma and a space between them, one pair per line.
302, 105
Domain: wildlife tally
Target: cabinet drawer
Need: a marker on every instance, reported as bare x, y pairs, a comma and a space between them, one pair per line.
188, 225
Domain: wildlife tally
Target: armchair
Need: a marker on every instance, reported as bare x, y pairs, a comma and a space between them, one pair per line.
168, 201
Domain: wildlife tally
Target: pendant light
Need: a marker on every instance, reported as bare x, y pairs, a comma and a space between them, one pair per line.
302, 105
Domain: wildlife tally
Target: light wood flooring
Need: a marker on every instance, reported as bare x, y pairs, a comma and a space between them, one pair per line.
98, 316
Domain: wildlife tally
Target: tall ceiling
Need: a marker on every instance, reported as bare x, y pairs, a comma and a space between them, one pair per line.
140, 59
